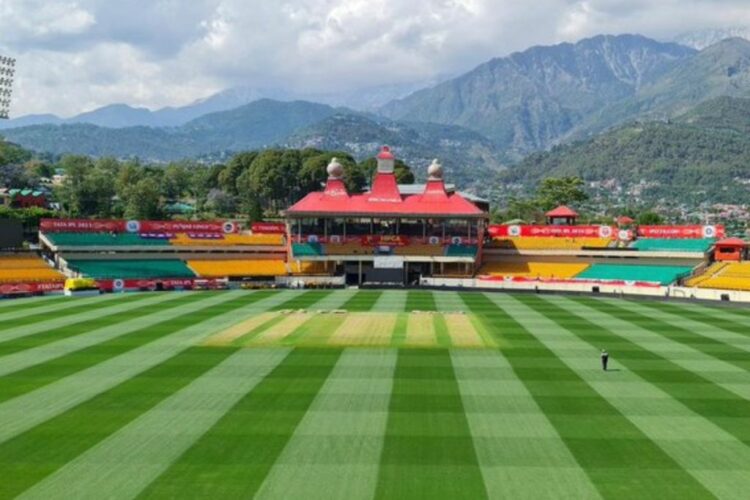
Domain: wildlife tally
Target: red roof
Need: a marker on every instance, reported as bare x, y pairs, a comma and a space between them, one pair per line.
731, 242
385, 200
562, 211
624, 220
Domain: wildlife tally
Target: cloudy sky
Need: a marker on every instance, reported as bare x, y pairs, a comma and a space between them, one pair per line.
76, 55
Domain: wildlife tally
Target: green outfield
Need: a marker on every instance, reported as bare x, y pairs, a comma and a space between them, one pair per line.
372, 394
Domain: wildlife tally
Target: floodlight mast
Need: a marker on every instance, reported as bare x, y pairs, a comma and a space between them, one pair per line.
7, 71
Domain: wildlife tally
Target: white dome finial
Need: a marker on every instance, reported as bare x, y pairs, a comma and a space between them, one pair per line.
435, 170
335, 169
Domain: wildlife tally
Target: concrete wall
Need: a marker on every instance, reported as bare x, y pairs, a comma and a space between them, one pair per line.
618, 290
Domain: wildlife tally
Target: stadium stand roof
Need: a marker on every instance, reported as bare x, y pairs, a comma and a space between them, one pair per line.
385, 197
562, 211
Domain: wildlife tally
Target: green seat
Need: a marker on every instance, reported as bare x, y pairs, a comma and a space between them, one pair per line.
673, 245
128, 269
104, 239
663, 275
307, 249
461, 251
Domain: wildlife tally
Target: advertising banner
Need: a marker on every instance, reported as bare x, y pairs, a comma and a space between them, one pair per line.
82, 225
268, 227
136, 226
515, 230
13, 288
681, 232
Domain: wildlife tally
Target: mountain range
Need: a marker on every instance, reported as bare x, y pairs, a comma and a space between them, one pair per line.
483, 121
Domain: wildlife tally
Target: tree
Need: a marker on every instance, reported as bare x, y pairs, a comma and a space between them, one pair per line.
227, 178
553, 192
143, 200
273, 178
221, 203
314, 171
649, 218
175, 181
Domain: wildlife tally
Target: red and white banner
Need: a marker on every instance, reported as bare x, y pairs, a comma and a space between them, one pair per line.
82, 225
681, 232
136, 226
41, 287
551, 231
572, 281
390, 240
153, 284
268, 227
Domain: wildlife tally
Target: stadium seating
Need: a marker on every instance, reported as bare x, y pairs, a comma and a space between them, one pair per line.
419, 249
104, 239
707, 273
307, 249
307, 268
549, 243
673, 245
461, 251
534, 270
112, 269
349, 248
26, 268
237, 268
725, 275
621, 272
230, 240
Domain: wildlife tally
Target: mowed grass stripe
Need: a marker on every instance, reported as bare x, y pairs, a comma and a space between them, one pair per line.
627, 466
448, 301
233, 458
442, 334
16, 309
122, 312
690, 440
316, 332
25, 303
420, 300
41, 370
717, 404
719, 328
76, 308
92, 311
335, 450
519, 451
304, 299
363, 300
400, 328
30, 457
709, 346
22, 413
428, 450
127, 461
336, 300
390, 301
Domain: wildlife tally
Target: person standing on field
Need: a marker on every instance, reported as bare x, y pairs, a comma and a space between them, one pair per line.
605, 359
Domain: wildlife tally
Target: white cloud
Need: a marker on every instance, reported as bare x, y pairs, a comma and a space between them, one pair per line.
78, 55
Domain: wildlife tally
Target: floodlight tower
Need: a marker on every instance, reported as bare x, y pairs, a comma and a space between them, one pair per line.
7, 71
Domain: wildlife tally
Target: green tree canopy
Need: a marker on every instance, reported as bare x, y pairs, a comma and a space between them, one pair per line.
553, 192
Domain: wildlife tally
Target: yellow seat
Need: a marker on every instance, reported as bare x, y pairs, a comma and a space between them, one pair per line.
549, 243
231, 240
534, 270
16, 268
725, 276
238, 268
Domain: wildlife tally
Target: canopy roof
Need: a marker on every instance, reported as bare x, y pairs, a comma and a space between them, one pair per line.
385, 199
731, 242
562, 211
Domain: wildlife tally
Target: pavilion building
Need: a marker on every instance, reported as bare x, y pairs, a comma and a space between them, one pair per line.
384, 235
